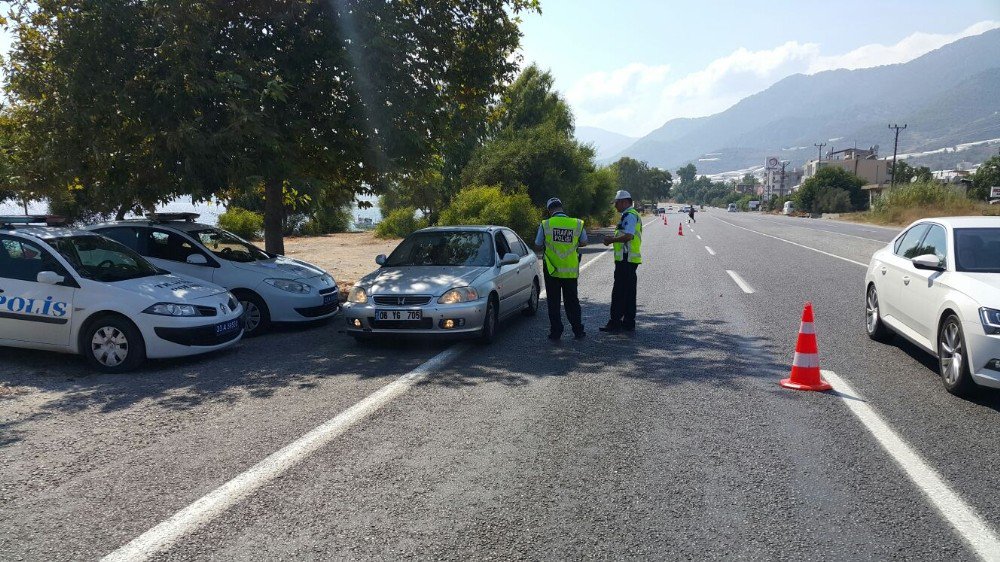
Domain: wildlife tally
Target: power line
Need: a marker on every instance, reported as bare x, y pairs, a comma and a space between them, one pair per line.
895, 146
820, 150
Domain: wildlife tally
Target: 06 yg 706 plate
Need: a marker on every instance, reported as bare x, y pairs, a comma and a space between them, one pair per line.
399, 315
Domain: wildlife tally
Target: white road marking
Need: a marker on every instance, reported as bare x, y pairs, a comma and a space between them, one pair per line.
710, 251
216, 502
739, 281
698, 236
791, 223
962, 517
864, 265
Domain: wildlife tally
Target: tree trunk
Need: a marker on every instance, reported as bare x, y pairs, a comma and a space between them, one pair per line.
274, 211
122, 211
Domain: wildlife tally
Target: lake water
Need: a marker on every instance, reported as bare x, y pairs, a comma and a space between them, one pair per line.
209, 211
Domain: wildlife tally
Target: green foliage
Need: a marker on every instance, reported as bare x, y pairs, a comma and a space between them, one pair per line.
907, 174
491, 205
986, 176
531, 101
400, 223
832, 200
644, 183
921, 199
326, 220
829, 178
241, 222
687, 174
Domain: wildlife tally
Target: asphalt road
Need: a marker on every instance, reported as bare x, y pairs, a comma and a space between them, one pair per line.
674, 443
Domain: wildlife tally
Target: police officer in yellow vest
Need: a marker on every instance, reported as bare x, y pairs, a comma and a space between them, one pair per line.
627, 243
561, 237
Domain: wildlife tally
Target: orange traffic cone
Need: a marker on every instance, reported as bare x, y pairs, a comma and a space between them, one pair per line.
680, 230
805, 366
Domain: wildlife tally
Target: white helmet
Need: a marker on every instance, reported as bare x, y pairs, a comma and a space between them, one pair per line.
622, 194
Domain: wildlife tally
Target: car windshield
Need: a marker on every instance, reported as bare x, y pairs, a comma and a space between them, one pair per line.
228, 246
977, 250
101, 259
444, 249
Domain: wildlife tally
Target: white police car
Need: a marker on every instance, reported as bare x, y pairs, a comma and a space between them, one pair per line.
74, 291
271, 288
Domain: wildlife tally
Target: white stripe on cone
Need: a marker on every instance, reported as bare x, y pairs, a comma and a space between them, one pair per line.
806, 360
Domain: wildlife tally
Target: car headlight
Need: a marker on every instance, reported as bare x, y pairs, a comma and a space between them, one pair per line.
358, 295
991, 320
289, 285
459, 295
171, 309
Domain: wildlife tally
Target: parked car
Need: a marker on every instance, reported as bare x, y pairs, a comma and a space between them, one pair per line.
938, 285
446, 281
74, 291
270, 287
661, 211
731, 208
788, 209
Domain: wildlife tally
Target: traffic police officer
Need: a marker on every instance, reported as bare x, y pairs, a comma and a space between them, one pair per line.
627, 243
561, 237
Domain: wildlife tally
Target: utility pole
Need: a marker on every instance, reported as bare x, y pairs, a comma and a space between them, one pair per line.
892, 181
820, 151
781, 190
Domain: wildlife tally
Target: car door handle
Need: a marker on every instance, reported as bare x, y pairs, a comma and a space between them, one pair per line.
906, 280
883, 271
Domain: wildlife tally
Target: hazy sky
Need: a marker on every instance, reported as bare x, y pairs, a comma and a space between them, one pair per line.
630, 65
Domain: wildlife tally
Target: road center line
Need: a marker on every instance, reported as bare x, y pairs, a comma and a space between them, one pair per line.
216, 502
710, 251
864, 265
962, 517
739, 281
698, 236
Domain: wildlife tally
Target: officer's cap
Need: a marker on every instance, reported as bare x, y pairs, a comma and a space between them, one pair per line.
553, 203
622, 194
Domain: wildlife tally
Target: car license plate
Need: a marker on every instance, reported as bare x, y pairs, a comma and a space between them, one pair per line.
227, 326
399, 315
327, 299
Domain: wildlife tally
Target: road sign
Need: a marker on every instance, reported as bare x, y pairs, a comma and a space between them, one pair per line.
995, 192
772, 163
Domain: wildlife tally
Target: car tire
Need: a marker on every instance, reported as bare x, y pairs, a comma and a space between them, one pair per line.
112, 344
256, 316
953, 358
491, 322
532, 308
877, 330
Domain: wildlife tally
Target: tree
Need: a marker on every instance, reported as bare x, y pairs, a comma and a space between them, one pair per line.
687, 174
750, 179
643, 182
826, 179
132, 104
986, 176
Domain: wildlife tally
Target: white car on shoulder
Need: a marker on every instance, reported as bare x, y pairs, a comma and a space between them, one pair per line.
937, 284
74, 291
271, 288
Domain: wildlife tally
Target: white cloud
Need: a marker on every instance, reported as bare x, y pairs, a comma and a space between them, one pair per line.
638, 98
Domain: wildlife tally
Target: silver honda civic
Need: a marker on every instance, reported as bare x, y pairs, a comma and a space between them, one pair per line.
446, 281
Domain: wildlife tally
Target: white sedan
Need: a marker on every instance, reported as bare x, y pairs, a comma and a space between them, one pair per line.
937, 284
74, 291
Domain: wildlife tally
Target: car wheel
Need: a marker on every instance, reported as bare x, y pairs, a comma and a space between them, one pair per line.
113, 344
532, 308
877, 330
954, 358
256, 317
490, 322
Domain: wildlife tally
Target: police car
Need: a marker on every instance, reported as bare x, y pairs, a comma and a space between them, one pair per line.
75, 291
271, 288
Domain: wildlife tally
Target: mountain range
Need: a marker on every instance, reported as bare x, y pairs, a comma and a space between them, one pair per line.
945, 97
606, 143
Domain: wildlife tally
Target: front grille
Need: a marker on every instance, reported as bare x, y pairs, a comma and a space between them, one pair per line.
327, 290
207, 310
401, 300
425, 324
321, 310
201, 336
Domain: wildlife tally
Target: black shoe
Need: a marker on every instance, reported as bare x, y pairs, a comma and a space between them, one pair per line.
628, 327
610, 328
555, 336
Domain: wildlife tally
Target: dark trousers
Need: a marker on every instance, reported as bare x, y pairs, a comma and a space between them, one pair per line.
623, 295
565, 290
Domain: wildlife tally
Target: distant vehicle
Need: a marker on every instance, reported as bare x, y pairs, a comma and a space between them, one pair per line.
938, 285
731, 208
446, 281
685, 209
788, 209
661, 211
753, 205
74, 291
271, 288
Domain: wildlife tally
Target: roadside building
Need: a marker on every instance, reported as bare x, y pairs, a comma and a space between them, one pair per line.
863, 163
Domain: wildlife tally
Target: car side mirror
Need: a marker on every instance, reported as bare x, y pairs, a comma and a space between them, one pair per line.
49, 278
381, 259
928, 261
197, 259
510, 259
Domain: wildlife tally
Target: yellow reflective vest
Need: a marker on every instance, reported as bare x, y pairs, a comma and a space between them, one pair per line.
562, 239
634, 245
